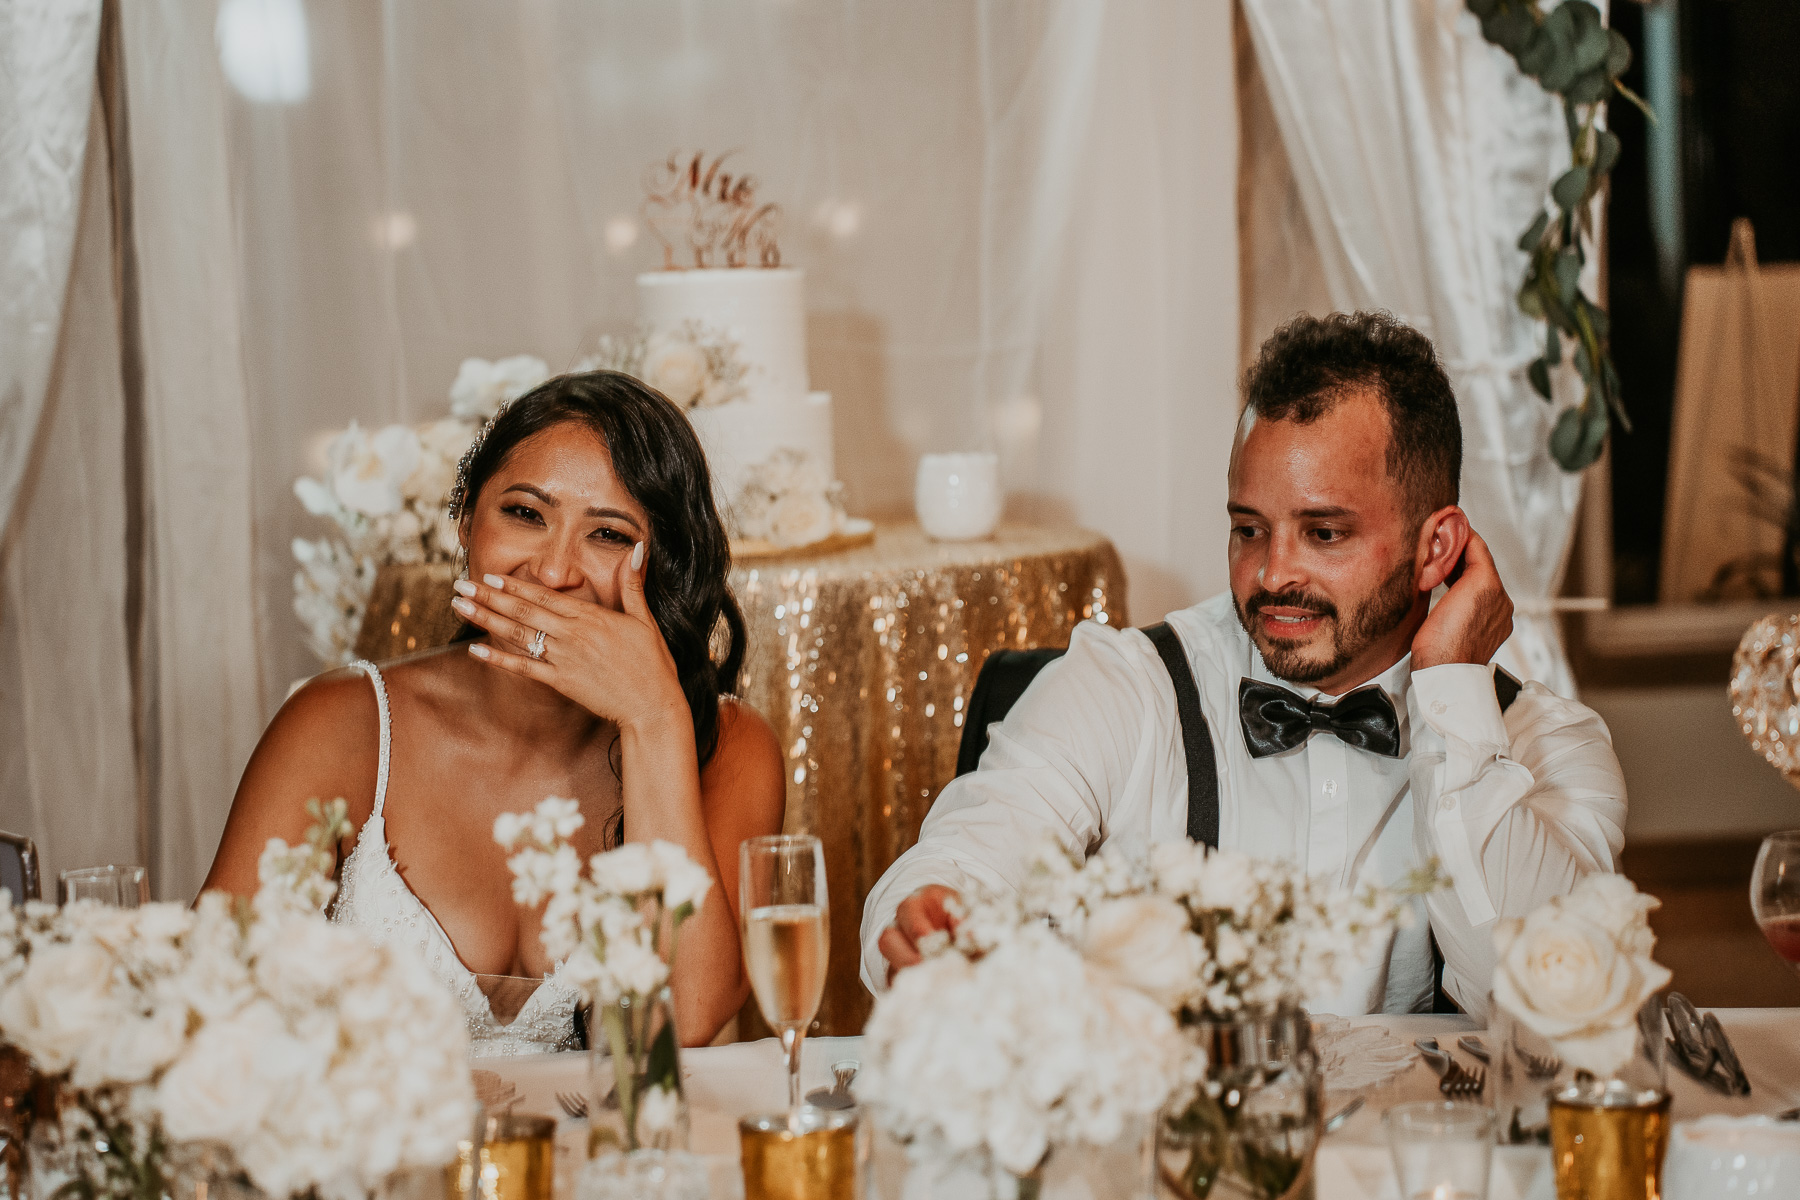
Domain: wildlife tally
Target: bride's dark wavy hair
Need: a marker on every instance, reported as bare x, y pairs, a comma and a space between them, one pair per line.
659, 461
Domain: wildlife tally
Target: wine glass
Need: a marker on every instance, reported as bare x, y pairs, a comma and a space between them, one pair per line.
786, 924
1775, 894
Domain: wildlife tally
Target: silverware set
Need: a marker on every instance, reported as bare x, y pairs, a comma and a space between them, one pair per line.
1454, 1079
1699, 1047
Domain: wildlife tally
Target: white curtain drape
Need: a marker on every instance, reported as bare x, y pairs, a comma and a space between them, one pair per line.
1016, 220
1419, 152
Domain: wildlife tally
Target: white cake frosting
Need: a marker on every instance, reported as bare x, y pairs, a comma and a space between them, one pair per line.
763, 311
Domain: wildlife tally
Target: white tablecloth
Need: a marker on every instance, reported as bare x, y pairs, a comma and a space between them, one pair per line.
726, 1082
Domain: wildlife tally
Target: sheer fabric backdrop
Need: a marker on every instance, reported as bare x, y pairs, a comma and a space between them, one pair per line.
1419, 153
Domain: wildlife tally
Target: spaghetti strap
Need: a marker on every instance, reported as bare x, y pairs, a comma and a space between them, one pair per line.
387, 731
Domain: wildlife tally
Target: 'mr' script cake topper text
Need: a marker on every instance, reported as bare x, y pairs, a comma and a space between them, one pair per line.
710, 214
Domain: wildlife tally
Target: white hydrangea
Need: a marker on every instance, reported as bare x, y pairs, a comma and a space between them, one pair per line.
482, 387
787, 500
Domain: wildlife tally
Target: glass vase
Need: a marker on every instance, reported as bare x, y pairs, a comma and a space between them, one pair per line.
635, 1100
1251, 1129
1607, 1133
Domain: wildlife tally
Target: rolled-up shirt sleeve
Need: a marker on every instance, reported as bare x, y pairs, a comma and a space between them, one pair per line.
1069, 745
1516, 807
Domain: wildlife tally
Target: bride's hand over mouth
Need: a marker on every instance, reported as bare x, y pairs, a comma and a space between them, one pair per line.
614, 663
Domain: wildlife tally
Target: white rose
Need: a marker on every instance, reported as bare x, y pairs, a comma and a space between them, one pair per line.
1567, 978
134, 1049
676, 368
62, 1005
626, 871
1144, 942
684, 880
367, 471
1227, 881
800, 519
229, 1075
1614, 903
657, 1110
481, 386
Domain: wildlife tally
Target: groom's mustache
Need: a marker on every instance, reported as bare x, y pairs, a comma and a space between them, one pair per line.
1302, 600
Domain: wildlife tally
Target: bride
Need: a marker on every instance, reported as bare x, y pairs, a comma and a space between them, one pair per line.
595, 595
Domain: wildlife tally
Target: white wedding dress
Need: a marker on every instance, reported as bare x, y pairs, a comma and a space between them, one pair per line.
373, 896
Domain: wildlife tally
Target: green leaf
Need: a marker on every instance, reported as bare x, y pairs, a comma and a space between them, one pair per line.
662, 1066
1598, 319
1483, 8
1566, 439
1570, 187
1568, 278
1535, 233
1606, 153
1539, 374
1593, 432
1530, 303
1588, 88
1538, 54
1552, 346
1590, 50
1512, 29
1618, 53
1583, 365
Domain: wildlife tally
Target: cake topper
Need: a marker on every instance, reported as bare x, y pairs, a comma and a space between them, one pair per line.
709, 213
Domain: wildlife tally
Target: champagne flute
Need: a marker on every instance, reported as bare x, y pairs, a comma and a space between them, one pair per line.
1775, 894
786, 923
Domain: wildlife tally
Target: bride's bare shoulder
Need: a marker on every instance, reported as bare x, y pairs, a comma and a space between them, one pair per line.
744, 774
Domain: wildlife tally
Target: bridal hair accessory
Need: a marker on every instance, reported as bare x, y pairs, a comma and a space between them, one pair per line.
459, 491
536, 649
711, 212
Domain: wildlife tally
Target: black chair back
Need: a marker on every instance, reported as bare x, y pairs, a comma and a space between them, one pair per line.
1002, 680
19, 867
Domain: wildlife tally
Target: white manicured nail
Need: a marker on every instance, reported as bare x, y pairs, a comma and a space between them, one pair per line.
479, 650
464, 587
465, 607
495, 582
637, 556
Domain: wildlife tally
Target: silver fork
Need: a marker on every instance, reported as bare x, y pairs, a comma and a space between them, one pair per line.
1537, 1066
573, 1103
1454, 1079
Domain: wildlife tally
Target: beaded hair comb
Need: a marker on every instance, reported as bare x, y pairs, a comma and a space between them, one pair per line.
459, 492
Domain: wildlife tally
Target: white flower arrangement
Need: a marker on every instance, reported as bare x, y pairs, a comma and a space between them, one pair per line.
614, 930
1577, 969
1054, 1013
387, 493
694, 365
787, 500
259, 1034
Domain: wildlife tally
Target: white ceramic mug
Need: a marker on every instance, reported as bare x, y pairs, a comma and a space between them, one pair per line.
1733, 1157
957, 496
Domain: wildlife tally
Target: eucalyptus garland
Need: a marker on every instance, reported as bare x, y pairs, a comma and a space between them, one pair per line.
1572, 54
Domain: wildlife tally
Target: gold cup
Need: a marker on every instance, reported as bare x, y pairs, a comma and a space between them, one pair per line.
815, 1157
518, 1160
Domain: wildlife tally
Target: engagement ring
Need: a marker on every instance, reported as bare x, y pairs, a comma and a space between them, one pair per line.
536, 649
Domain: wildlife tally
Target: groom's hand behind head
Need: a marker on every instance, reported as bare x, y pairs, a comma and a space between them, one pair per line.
919, 915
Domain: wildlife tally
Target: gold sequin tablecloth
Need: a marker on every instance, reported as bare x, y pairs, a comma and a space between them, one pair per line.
862, 660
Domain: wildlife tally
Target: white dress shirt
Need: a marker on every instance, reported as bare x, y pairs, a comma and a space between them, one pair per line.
1515, 807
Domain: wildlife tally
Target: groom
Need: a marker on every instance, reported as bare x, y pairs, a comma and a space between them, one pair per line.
1342, 721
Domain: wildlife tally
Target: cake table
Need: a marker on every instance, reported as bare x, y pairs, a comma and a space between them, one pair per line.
862, 660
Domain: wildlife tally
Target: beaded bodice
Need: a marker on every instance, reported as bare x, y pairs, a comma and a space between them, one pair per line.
373, 896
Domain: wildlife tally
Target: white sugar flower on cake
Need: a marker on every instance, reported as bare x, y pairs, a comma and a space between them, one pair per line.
481, 387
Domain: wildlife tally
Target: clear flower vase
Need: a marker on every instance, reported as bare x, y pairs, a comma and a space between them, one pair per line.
1251, 1129
635, 1100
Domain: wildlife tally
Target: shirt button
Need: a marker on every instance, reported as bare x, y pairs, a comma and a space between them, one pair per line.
1330, 787
1439, 707
1448, 803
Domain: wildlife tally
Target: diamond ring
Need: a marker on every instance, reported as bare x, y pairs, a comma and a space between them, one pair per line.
536, 649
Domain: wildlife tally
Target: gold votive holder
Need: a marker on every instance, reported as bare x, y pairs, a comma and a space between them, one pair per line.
516, 1161
814, 1154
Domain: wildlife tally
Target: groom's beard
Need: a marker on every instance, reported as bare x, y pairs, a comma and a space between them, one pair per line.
1308, 660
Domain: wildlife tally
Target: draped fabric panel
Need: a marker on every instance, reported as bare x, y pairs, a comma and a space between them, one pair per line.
1418, 153
68, 775
201, 690
47, 53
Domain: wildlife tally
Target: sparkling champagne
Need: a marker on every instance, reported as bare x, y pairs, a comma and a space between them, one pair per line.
785, 949
1609, 1151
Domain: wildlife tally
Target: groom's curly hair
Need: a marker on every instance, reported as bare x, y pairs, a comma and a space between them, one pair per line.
1311, 363
658, 459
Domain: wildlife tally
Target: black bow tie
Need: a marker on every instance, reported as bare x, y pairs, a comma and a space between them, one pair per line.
1275, 719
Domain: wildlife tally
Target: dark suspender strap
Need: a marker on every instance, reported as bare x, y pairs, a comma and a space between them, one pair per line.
1506, 688
1196, 737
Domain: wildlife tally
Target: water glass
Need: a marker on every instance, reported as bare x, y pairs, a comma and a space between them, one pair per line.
1443, 1150
957, 496
121, 887
1733, 1156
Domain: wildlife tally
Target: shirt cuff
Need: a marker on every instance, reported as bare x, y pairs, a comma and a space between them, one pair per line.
1457, 700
